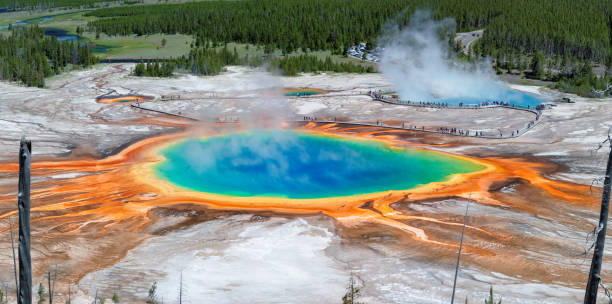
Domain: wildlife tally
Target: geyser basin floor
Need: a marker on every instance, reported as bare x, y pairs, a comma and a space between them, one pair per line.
301, 165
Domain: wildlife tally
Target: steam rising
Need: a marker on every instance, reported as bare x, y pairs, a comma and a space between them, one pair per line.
419, 62
270, 107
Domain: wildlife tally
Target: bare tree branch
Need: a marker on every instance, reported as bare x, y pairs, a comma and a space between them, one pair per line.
14, 258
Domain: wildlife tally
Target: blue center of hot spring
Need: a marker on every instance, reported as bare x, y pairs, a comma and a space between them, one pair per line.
300, 165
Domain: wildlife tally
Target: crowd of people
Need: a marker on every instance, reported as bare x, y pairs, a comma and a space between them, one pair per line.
460, 132
314, 118
495, 103
433, 104
531, 124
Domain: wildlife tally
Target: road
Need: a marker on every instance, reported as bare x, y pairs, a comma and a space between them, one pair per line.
466, 39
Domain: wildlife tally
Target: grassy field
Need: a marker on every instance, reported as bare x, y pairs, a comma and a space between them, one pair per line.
134, 47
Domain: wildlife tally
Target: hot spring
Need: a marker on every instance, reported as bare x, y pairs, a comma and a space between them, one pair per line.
513, 97
303, 92
301, 165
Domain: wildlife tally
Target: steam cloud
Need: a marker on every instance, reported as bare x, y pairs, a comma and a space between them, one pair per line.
270, 108
261, 102
418, 60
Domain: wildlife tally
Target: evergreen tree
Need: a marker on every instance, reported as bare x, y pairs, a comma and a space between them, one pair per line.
139, 70
152, 296
353, 292
537, 66
41, 294
3, 298
490, 300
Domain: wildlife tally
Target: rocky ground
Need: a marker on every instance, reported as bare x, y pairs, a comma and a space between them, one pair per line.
64, 121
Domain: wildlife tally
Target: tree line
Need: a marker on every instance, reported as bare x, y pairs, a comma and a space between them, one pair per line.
583, 82
292, 65
571, 74
210, 61
578, 28
154, 69
199, 61
28, 56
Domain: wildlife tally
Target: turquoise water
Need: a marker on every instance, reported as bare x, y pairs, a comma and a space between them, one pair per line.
300, 165
518, 98
302, 93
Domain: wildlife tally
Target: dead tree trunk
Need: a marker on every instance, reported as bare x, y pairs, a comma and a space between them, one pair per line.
23, 203
467, 208
50, 290
181, 290
590, 296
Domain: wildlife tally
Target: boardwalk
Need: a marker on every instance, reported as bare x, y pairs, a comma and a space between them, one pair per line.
472, 132
163, 112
